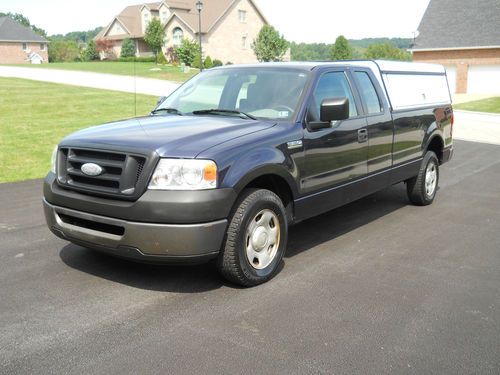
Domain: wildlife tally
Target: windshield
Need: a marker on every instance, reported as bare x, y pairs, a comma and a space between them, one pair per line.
258, 92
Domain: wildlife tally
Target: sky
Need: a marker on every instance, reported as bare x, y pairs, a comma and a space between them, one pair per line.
310, 21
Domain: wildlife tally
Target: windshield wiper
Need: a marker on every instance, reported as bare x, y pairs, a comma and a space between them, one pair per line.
172, 111
221, 111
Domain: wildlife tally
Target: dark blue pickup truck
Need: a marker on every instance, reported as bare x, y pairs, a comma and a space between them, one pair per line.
225, 164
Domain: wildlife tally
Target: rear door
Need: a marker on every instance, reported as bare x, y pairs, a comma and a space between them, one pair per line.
378, 118
338, 154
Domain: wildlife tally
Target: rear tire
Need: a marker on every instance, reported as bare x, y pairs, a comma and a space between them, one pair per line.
255, 240
422, 188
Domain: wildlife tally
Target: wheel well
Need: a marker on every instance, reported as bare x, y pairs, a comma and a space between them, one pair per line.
436, 145
278, 186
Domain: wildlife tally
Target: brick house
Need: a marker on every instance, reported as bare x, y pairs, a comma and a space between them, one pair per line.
228, 27
20, 45
464, 36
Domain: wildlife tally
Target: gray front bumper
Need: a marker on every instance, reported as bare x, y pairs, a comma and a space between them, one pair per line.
135, 239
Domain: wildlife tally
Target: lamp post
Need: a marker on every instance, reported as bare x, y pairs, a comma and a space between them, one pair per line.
199, 7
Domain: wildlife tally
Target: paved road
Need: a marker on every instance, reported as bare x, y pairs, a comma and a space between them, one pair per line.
148, 86
375, 287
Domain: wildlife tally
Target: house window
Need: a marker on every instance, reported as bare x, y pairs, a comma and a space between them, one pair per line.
146, 19
118, 29
164, 16
244, 42
178, 35
42, 46
242, 15
25, 46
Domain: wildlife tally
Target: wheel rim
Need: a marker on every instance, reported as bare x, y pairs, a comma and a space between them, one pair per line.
262, 239
430, 179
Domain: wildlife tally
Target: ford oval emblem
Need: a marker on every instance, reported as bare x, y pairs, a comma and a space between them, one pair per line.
91, 169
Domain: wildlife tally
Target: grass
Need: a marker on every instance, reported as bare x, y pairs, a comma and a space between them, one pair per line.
142, 69
491, 105
35, 116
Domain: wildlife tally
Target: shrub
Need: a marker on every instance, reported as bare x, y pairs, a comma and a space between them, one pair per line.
128, 48
216, 62
90, 53
172, 57
187, 51
160, 58
229, 63
208, 63
63, 51
105, 49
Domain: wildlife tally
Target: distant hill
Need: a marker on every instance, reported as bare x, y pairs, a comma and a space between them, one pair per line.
322, 51
80, 37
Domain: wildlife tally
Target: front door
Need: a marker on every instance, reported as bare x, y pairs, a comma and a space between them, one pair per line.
338, 154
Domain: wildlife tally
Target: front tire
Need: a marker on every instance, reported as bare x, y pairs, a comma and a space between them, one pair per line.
422, 188
256, 239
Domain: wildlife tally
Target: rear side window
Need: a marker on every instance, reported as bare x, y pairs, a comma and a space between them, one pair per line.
333, 85
368, 92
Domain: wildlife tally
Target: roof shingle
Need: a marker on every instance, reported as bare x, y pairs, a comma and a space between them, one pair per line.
459, 24
12, 31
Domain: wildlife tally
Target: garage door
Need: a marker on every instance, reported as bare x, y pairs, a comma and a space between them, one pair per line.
483, 79
451, 73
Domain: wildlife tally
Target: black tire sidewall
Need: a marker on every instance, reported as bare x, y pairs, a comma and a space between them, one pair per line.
430, 157
271, 202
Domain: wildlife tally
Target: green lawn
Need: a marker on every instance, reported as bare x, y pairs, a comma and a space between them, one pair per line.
491, 105
142, 69
35, 116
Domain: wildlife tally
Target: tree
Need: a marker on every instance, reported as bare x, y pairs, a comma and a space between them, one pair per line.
90, 53
269, 45
188, 51
63, 51
386, 51
128, 48
154, 36
105, 48
18, 17
341, 49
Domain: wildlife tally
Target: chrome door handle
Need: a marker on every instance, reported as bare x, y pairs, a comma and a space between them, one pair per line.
362, 135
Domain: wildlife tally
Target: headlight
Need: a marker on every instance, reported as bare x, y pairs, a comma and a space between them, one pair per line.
182, 174
53, 160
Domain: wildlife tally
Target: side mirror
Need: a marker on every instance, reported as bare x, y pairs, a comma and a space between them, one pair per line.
334, 109
161, 99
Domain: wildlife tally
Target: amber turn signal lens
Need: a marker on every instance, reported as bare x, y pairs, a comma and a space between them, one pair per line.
210, 172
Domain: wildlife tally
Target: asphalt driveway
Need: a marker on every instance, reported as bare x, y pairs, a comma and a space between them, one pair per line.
378, 286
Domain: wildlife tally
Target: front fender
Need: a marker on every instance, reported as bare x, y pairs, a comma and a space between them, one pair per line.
259, 162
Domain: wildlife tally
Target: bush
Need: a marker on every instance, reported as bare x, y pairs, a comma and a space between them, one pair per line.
63, 51
105, 49
138, 59
187, 52
171, 56
160, 59
208, 63
229, 63
128, 48
216, 63
90, 53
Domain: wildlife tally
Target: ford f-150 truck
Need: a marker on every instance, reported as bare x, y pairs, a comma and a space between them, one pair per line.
224, 165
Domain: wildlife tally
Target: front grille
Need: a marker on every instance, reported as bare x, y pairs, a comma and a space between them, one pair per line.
122, 173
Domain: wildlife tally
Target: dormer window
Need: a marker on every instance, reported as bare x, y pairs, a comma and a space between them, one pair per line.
146, 19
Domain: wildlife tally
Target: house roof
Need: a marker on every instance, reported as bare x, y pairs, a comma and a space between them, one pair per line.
12, 31
457, 24
213, 11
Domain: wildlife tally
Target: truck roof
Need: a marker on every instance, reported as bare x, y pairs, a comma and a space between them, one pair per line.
381, 65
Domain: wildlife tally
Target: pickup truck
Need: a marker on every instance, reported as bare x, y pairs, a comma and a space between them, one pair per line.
223, 166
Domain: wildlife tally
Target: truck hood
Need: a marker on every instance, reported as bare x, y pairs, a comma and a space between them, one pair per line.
169, 136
